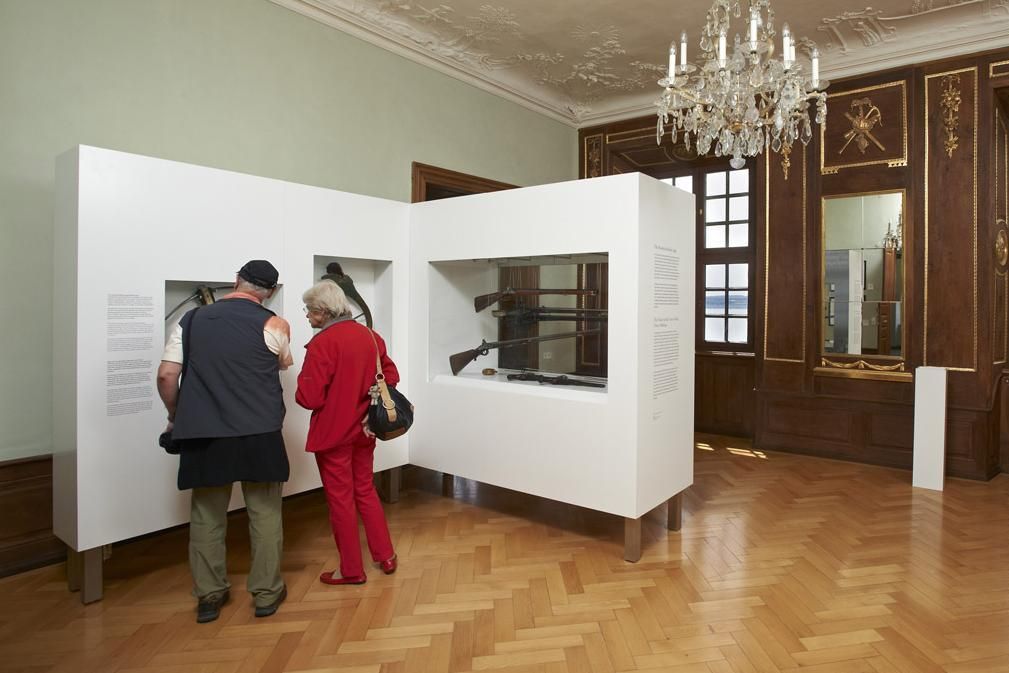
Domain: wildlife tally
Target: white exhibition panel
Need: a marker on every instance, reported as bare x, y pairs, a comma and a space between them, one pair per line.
134, 233
622, 450
928, 465
127, 226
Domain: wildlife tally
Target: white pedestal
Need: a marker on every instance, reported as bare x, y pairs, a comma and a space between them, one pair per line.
929, 427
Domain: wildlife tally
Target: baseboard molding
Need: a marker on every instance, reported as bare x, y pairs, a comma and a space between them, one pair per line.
26, 528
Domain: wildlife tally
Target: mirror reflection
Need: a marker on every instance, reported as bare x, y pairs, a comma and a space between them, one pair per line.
863, 281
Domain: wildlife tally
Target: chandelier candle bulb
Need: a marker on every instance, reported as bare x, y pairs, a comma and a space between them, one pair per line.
721, 49
683, 48
786, 38
815, 71
753, 29
672, 62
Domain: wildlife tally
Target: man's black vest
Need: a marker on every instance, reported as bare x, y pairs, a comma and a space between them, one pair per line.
231, 386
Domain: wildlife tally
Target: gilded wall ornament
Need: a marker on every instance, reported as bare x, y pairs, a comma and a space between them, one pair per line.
786, 160
950, 103
1001, 249
863, 116
593, 156
862, 364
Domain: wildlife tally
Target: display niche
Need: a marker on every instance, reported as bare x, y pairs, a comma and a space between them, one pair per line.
533, 321
367, 284
181, 296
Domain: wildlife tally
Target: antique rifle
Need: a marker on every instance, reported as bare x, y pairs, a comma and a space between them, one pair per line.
334, 272
460, 360
562, 380
485, 300
529, 316
203, 295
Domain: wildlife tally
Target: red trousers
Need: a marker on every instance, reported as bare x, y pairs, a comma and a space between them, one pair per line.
347, 473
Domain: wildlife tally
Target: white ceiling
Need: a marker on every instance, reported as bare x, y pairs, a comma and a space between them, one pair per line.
595, 61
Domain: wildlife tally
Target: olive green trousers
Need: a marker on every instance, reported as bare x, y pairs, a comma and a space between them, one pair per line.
208, 528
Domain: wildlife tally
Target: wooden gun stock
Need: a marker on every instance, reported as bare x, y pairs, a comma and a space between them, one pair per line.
459, 361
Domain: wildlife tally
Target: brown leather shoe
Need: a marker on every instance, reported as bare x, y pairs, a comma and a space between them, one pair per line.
333, 577
389, 566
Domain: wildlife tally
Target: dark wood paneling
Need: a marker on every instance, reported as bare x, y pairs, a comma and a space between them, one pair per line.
785, 241
950, 225
724, 400
26, 500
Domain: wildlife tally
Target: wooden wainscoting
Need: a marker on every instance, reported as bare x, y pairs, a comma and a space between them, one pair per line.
724, 399
26, 526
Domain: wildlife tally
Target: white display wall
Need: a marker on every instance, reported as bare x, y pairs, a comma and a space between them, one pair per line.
624, 449
134, 233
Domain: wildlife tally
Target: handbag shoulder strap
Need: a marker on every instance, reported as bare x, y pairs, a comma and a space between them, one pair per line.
378, 356
383, 388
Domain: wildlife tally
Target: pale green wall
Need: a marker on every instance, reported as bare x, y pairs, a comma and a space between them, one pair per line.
243, 85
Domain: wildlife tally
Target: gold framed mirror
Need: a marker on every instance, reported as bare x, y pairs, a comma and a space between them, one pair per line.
862, 321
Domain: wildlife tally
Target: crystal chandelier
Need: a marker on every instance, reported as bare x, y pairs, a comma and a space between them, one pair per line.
741, 102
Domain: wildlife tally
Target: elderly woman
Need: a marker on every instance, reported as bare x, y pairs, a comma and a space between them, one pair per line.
334, 381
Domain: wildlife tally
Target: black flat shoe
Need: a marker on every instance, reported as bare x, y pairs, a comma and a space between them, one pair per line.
268, 610
209, 608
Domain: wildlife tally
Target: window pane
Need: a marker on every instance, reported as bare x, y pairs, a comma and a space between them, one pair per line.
685, 182
739, 275
714, 237
714, 275
715, 183
739, 181
714, 210
714, 303
737, 330
714, 329
739, 235
739, 208
739, 303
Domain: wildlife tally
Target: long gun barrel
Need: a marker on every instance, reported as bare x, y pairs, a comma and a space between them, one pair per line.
485, 300
459, 361
529, 316
562, 380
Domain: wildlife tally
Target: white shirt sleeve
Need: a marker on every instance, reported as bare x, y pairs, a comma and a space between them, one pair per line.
173, 345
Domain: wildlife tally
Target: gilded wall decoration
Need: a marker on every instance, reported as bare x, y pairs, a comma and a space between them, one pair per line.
1001, 248
861, 364
863, 116
950, 103
858, 137
593, 167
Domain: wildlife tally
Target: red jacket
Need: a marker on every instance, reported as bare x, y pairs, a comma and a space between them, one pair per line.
334, 381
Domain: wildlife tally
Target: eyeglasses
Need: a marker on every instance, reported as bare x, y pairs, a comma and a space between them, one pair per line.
309, 309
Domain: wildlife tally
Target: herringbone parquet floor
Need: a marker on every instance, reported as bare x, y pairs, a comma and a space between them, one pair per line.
784, 563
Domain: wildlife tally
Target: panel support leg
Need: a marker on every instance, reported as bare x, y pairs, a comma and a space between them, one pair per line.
447, 485
632, 539
674, 512
387, 483
84, 573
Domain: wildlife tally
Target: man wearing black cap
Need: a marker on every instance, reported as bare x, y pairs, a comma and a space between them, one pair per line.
227, 414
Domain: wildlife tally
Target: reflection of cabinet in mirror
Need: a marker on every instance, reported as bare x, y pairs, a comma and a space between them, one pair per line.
863, 276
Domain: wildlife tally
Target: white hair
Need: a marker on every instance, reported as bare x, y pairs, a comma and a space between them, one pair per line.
243, 285
328, 297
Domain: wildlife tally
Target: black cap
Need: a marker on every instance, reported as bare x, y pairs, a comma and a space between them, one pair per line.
260, 272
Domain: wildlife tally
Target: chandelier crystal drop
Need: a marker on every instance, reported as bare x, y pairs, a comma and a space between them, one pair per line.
739, 99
